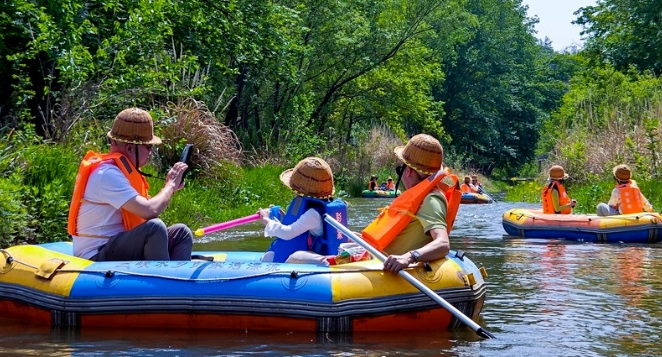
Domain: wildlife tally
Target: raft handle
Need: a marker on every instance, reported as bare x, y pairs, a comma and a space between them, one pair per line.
109, 274
460, 254
294, 274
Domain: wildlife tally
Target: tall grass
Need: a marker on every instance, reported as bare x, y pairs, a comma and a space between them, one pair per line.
608, 118
190, 122
371, 154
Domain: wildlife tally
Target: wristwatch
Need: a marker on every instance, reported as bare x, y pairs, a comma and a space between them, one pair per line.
415, 255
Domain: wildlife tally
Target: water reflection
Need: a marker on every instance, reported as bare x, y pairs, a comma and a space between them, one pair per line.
545, 297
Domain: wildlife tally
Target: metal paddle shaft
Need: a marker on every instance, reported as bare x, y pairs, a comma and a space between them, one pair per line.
413, 281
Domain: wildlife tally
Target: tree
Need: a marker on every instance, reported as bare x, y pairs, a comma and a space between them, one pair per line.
624, 33
499, 84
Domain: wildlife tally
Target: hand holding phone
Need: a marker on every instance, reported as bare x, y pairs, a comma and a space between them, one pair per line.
185, 157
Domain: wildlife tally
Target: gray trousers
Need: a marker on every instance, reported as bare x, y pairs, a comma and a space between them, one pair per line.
607, 210
151, 240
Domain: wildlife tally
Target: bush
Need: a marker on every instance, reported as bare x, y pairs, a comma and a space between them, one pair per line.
14, 215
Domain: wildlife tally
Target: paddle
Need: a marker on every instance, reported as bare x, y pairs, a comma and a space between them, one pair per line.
413, 281
480, 190
225, 225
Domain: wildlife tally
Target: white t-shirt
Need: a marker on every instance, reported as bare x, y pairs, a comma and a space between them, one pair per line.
109, 189
309, 221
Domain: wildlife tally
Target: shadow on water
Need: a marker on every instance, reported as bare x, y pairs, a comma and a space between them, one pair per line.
544, 297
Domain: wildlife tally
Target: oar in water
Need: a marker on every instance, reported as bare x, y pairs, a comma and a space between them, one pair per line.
225, 225
413, 281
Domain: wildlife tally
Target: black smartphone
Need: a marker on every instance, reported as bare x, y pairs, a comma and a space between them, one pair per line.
185, 157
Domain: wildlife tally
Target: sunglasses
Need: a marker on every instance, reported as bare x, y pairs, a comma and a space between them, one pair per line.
400, 169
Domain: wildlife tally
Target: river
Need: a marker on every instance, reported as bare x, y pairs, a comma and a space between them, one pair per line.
544, 298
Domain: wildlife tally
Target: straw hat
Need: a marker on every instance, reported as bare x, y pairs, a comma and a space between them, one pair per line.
474, 177
310, 177
389, 178
622, 172
557, 172
134, 126
423, 153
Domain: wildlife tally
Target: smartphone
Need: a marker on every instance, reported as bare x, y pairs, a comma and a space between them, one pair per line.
185, 157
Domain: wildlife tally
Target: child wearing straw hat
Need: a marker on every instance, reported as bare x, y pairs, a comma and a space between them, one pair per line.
112, 217
303, 237
424, 238
555, 199
625, 197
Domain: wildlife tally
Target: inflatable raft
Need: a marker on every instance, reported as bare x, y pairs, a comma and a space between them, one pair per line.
379, 193
45, 284
468, 198
628, 228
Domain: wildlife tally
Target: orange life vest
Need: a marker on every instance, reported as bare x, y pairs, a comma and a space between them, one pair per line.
464, 188
89, 163
548, 203
630, 198
394, 218
390, 185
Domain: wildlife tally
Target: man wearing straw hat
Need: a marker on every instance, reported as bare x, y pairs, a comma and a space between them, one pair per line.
626, 197
112, 217
424, 238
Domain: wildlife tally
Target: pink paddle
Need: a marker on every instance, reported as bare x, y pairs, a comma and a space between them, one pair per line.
225, 225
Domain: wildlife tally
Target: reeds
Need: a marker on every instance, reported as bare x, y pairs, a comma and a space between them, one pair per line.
604, 121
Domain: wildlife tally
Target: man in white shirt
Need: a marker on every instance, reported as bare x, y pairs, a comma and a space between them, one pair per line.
112, 217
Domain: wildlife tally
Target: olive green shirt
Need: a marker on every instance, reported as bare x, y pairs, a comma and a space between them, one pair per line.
431, 215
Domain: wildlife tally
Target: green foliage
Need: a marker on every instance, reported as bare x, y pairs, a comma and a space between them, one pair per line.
499, 83
529, 191
14, 215
38, 181
607, 117
623, 33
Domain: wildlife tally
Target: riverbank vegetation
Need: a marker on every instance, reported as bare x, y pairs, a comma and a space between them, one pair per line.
257, 86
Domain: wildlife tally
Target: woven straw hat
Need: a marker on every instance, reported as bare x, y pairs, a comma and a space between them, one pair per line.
474, 177
423, 153
310, 177
622, 172
134, 126
557, 172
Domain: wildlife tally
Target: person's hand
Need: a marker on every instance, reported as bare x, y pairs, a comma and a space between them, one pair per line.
175, 175
395, 263
573, 203
264, 215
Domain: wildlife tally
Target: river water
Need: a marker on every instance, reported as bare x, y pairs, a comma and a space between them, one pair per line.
544, 298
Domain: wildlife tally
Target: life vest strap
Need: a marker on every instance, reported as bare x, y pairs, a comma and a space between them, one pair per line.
93, 236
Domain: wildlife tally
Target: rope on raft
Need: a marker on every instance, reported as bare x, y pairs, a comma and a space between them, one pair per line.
538, 217
110, 273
